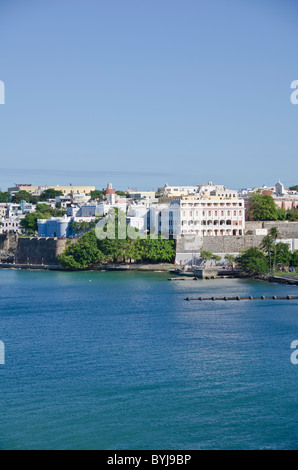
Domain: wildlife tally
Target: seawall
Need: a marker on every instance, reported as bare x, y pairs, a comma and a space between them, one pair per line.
32, 251
40, 251
8, 244
286, 229
189, 247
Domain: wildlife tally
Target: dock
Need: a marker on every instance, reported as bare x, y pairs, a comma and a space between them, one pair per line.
238, 298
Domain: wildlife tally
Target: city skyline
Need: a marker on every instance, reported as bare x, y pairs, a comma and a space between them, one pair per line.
120, 180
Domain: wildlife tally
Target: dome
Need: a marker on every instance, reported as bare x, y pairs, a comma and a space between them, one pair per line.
110, 191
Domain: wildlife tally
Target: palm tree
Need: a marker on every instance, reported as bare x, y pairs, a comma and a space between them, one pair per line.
274, 234
267, 246
206, 256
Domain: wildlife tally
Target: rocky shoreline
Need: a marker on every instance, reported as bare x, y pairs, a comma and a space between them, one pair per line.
280, 280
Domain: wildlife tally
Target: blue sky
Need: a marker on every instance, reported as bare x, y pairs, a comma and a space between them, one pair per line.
144, 92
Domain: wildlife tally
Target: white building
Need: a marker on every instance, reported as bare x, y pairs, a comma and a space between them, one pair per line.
150, 196
200, 216
203, 217
209, 189
178, 191
10, 225
3, 210
212, 217
16, 210
137, 216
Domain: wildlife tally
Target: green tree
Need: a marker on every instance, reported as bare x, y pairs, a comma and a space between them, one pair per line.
97, 195
155, 250
274, 235
122, 194
4, 197
79, 228
281, 213
48, 210
34, 199
294, 188
230, 258
253, 262
262, 207
206, 255
50, 194
294, 259
82, 254
292, 215
29, 223
21, 196
268, 246
283, 254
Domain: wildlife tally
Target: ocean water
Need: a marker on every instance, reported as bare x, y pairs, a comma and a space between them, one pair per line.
120, 361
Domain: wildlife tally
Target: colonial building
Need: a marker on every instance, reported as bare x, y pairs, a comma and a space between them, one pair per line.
203, 217
212, 217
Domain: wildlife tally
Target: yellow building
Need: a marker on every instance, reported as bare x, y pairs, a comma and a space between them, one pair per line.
66, 190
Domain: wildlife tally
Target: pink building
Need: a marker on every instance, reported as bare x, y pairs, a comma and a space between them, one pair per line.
287, 202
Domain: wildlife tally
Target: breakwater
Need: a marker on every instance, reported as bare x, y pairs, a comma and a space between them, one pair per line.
238, 298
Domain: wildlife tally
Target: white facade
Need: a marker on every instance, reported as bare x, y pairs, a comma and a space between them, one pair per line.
137, 222
212, 217
3, 210
10, 225
210, 189
15, 210
203, 217
178, 191
148, 195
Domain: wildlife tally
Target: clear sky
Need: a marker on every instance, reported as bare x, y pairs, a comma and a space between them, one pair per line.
143, 92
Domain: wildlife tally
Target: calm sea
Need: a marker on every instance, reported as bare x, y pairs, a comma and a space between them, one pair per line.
120, 361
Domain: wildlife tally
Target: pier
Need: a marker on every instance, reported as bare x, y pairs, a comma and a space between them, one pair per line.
238, 298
